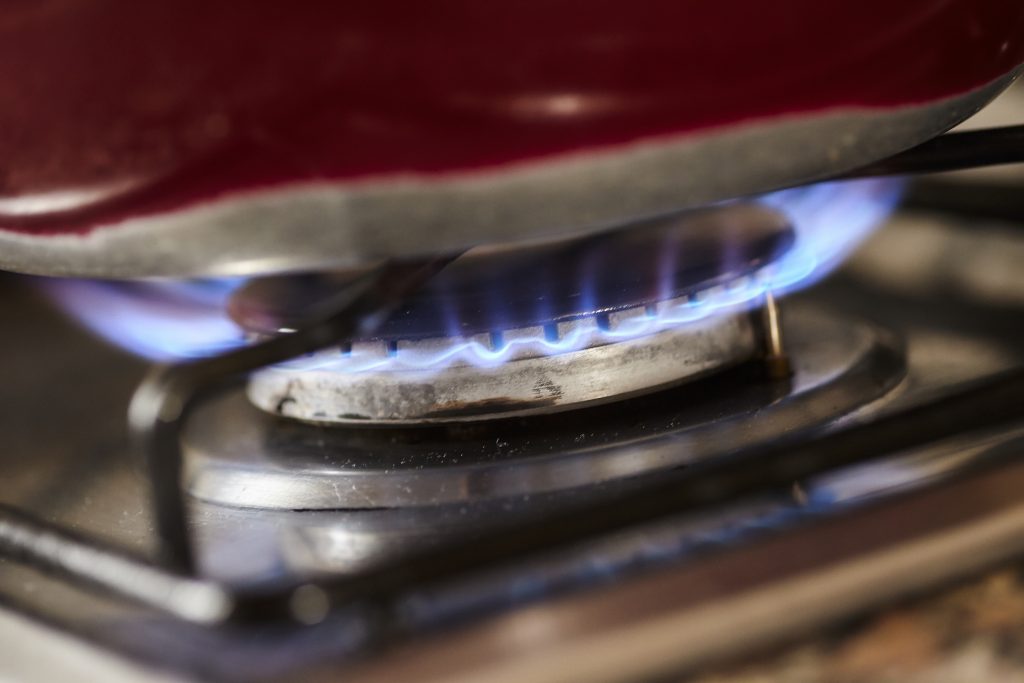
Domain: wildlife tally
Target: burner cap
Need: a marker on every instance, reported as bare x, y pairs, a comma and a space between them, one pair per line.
527, 383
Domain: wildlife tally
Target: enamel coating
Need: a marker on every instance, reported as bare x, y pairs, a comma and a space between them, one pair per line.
114, 109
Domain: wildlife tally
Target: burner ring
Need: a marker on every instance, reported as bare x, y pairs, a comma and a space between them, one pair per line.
521, 385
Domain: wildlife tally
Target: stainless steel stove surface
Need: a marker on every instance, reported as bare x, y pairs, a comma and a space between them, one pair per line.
881, 335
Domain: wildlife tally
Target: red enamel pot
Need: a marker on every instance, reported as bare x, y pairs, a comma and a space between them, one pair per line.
210, 137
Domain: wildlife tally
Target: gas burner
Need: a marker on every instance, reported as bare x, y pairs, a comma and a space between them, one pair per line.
549, 327
528, 382
240, 456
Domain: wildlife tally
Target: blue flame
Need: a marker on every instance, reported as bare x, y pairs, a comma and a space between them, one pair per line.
159, 320
165, 320
830, 220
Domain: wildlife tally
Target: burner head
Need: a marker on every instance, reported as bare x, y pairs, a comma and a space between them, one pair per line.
517, 331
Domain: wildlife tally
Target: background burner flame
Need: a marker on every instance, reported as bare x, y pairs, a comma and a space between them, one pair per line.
158, 320
165, 320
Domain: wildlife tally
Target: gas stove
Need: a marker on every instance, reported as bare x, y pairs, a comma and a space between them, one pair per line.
786, 464
542, 374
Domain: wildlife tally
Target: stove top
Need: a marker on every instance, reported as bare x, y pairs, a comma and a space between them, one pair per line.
281, 503
776, 470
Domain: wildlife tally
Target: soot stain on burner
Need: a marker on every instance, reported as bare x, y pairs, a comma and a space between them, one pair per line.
491, 405
285, 398
282, 402
546, 390
742, 388
547, 395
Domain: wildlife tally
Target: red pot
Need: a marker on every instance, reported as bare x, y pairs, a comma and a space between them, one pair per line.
212, 137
